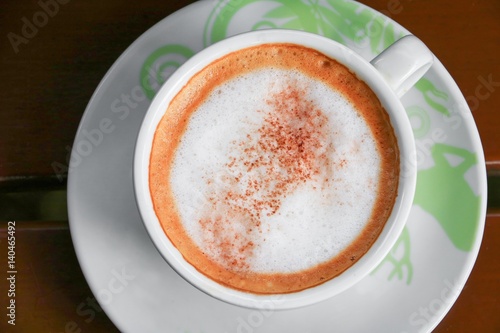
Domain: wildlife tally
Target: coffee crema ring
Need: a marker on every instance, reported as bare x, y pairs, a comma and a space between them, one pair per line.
274, 169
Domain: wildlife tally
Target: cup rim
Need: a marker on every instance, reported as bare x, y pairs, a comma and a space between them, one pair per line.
393, 227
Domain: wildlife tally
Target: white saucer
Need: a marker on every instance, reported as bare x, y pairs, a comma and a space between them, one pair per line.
413, 288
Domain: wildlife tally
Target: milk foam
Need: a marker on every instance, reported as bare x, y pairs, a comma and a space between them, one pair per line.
316, 220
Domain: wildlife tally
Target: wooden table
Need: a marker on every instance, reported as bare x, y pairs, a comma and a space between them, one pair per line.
49, 76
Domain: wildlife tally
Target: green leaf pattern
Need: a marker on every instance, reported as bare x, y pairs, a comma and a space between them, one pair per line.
399, 259
434, 97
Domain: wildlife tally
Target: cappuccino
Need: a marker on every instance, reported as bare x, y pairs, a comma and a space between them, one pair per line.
274, 169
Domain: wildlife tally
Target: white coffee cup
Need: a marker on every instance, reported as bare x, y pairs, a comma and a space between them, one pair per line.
389, 76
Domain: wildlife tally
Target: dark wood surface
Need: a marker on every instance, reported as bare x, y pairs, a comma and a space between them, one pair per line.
47, 83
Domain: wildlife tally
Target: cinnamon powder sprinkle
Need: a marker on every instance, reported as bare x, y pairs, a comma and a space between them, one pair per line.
291, 147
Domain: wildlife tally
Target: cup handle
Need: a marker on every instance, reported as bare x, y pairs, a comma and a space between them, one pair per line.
403, 63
